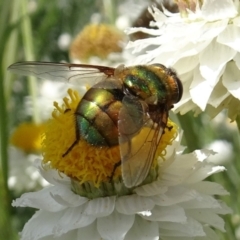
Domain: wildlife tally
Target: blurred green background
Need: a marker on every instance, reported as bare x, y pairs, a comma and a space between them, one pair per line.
31, 30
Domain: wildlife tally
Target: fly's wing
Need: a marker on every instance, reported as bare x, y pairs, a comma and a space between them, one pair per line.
138, 141
73, 73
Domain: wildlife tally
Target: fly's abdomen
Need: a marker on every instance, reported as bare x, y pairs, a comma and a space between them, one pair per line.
97, 116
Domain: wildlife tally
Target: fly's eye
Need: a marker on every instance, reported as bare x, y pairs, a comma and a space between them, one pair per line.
180, 88
159, 65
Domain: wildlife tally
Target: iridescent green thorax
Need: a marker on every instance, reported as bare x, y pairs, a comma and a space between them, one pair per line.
154, 84
143, 82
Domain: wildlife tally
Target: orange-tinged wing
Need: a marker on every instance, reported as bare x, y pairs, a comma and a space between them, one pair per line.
74, 73
138, 151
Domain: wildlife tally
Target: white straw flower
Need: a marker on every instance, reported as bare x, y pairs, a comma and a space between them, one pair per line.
203, 45
180, 204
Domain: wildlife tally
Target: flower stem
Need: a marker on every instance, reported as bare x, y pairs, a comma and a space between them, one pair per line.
29, 55
238, 123
6, 231
189, 126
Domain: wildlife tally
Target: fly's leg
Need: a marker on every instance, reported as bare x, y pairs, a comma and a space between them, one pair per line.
116, 165
77, 137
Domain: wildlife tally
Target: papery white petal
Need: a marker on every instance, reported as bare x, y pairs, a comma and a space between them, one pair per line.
219, 94
180, 169
167, 214
90, 232
100, 207
115, 226
143, 230
218, 9
203, 154
231, 79
203, 86
210, 30
213, 59
210, 188
51, 175
201, 202
237, 60
40, 200
66, 236
210, 234
66, 197
206, 216
230, 37
133, 204
153, 32
185, 65
175, 195
72, 218
40, 225
190, 228
151, 189
203, 171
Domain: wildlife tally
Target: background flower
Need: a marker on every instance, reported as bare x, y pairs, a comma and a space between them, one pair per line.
202, 44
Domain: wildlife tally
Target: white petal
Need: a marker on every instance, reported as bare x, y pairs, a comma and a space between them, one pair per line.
40, 200
52, 175
231, 79
219, 94
218, 9
230, 37
223, 210
143, 230
208, 217
167, 214
153, 32
115, 226
202, 201
213, 59
175, 195
151, 189
72, 219
69, 235
100, 207
237, 60
211, 234
186, 64
203, 171
66, 197
210, 188
200, 85
190, 228
133, 203
40, 225
209, 30
179, 170
203, 154
90, 232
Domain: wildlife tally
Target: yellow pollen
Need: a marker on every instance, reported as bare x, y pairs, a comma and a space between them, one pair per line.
96, 40
84, 162
28, 137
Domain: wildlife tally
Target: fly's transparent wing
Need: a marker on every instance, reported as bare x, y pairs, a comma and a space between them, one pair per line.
73, 73
138, 149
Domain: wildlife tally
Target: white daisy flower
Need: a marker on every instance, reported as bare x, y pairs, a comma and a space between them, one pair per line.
179, 204
81, 203
202, 42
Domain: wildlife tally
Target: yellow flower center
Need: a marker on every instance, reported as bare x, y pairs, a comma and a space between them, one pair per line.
85, 162
96, 40
28, 137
